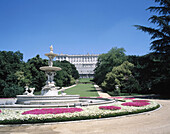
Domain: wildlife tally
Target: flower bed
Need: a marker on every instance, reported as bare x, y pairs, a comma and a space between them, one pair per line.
0, 111
52, 111
135, 104
9, 116
109, 107
129, 98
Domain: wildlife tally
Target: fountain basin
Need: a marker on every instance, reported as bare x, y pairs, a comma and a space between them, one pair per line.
48, 68
51, 54
67, 102
47, 100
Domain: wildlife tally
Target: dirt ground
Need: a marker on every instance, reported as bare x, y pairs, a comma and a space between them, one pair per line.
157, 122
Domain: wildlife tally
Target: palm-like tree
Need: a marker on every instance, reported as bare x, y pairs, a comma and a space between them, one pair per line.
161, 34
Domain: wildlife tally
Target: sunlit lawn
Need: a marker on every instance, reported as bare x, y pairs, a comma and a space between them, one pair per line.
81, 80
84, 90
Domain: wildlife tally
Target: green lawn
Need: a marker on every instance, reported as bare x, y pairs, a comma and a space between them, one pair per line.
84, 90
85, 80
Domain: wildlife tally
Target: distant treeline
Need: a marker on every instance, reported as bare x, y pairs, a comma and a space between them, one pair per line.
15, 74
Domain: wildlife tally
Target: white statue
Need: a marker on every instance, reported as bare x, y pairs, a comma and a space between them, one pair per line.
32, 91
51, 49
27, 93
50, 62
26, 90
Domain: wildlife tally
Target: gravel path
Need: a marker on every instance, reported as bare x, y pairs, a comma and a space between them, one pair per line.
101, 93
157, 122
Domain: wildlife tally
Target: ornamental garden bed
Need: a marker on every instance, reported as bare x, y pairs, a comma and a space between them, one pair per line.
25, 116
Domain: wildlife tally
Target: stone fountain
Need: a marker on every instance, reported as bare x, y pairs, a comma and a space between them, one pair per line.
49, 93
50, 89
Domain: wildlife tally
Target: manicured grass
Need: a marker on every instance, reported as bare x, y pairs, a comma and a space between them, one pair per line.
85, 80
84, 90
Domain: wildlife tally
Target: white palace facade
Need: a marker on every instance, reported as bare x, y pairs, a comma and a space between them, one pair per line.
85, 64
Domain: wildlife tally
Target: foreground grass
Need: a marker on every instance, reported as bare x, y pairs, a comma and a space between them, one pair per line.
84, 90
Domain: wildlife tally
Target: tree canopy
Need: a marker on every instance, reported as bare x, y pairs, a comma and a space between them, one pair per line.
10, 63
161, 34
160, 45
15, 74
117, 76
106, 62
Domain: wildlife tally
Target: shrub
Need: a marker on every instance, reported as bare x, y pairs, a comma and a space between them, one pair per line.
12, 91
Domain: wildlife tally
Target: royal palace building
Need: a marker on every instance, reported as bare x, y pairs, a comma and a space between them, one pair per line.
85, 64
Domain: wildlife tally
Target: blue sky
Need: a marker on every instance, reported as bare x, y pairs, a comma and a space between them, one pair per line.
73, 26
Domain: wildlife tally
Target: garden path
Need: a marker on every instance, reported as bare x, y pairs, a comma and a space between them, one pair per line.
157, 122
101, 93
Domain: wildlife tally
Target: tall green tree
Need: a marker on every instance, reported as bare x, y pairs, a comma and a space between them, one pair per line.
38, 77
122, 77
115, 57
161, 34
160, 45
67, 75
10, 63
144, 70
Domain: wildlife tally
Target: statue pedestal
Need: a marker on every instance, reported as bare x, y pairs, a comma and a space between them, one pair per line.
49, 90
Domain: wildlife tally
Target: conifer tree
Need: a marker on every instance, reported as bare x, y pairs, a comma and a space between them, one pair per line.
161, 34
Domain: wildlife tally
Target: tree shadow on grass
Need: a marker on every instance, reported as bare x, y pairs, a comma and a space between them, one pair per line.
93, 90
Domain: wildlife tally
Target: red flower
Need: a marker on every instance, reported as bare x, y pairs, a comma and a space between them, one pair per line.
53, 111
109, 107
129, 98
135, 104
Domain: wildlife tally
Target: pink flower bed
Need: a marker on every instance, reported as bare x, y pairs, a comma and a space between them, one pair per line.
135, 104
53, 111
129, 98
0, 111
109, 107
140, 100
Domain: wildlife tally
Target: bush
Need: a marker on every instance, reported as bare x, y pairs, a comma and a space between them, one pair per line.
12, 90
